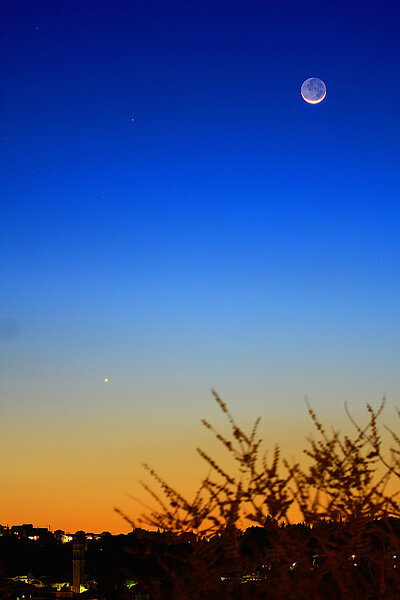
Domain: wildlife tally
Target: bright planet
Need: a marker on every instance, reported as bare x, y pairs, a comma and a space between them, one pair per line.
313, 90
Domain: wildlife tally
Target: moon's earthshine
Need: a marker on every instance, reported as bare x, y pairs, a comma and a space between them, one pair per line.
313, 90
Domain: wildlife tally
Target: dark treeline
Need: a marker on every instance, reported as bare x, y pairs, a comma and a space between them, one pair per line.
50, 560
329, 560
275, 561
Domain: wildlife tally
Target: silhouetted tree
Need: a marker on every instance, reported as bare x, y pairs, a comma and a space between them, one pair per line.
344, 549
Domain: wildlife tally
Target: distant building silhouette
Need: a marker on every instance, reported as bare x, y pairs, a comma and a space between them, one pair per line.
27, 530
78, 561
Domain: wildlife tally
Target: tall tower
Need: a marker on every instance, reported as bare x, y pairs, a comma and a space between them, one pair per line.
78, 561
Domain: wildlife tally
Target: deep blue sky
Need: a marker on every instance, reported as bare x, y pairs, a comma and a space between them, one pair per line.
230, 235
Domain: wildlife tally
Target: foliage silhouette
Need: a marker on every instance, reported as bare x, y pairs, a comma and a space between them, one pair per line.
346, 546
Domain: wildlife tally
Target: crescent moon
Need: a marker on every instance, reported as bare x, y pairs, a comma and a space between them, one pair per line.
313, 101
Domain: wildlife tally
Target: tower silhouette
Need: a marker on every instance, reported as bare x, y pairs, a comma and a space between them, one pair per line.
78, 561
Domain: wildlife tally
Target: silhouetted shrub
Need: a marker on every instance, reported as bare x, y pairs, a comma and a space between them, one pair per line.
345, 548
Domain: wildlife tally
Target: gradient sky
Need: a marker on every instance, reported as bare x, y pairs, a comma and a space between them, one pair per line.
175, 217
